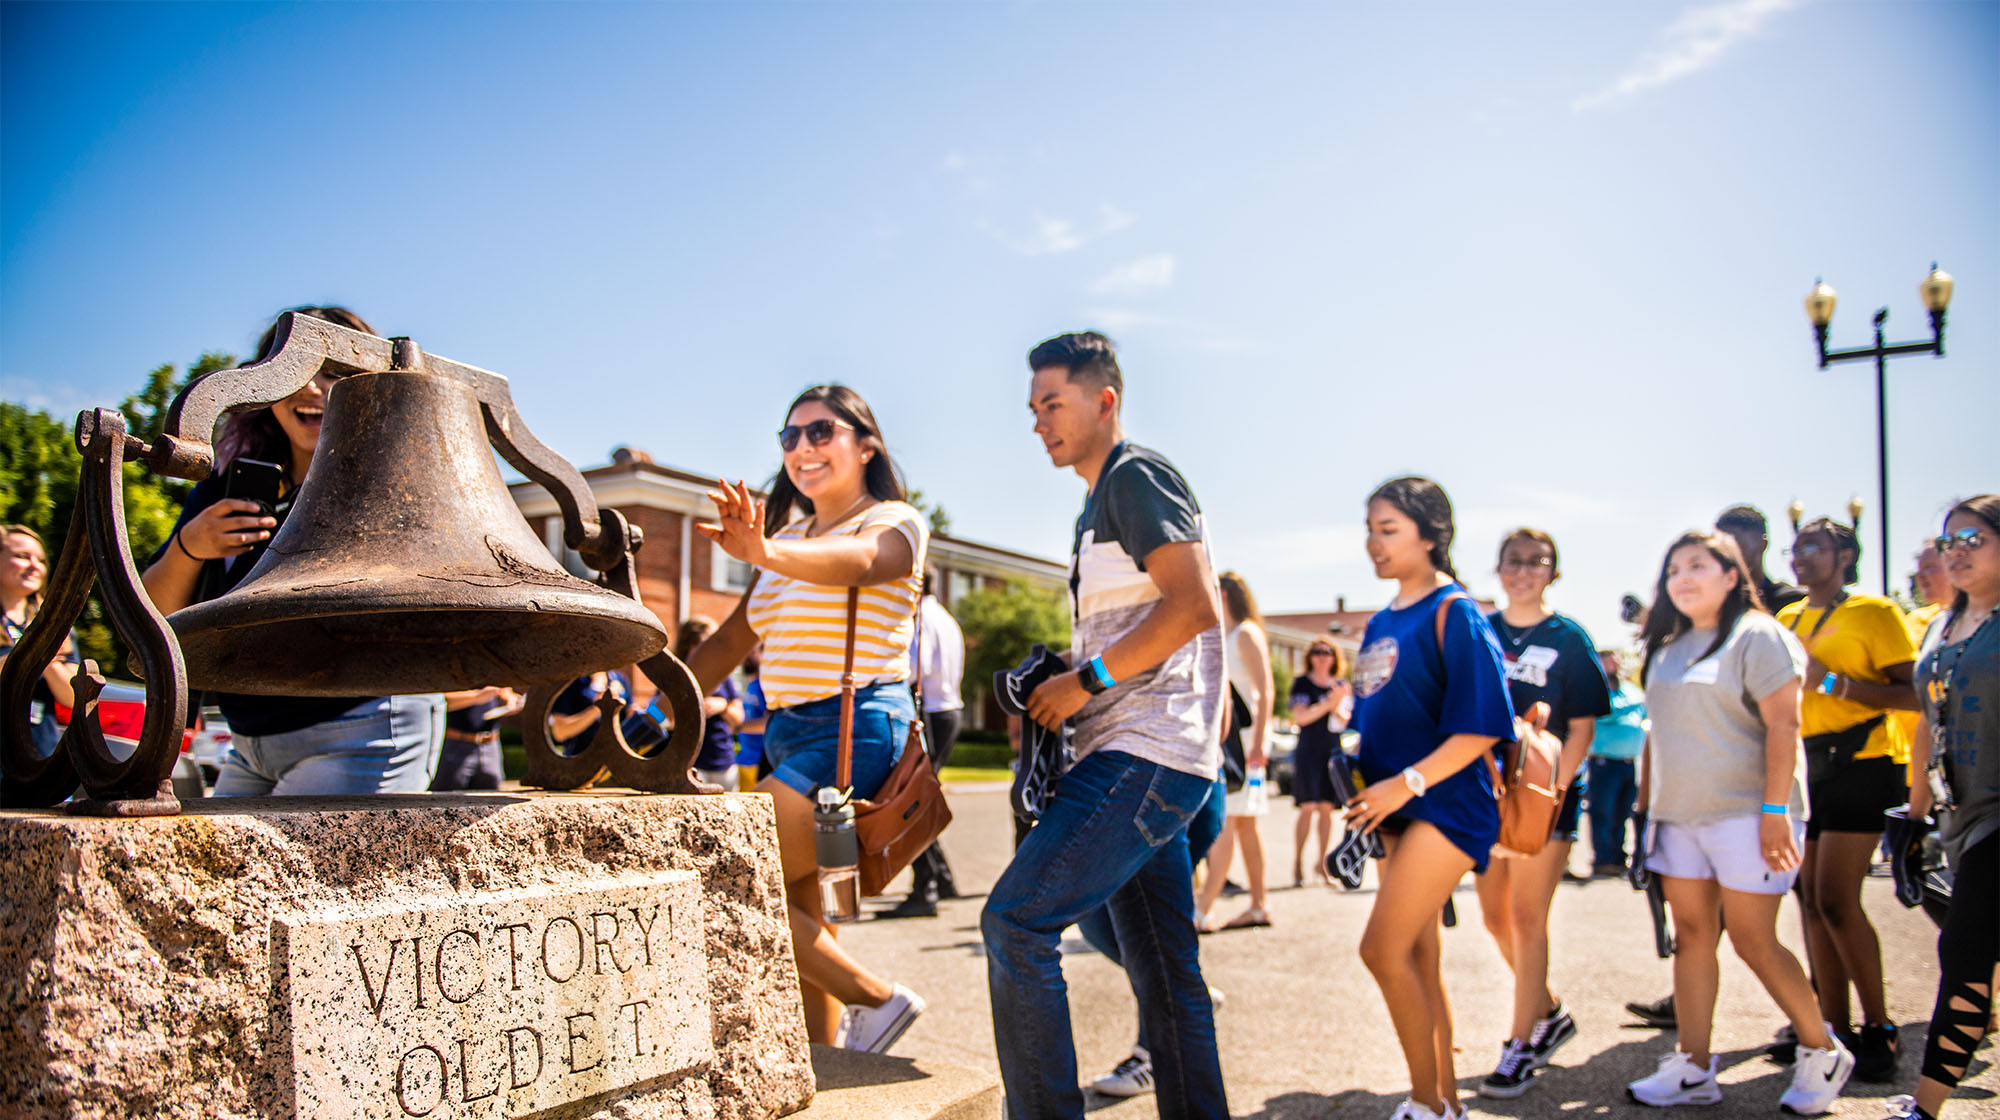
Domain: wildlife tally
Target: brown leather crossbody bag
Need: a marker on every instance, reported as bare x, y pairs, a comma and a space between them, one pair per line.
908, 813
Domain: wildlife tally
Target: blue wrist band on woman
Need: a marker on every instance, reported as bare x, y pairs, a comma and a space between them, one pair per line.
1102, 674
1775, 810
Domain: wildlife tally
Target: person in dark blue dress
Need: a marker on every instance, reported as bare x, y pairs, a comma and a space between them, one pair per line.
1550, 660
1322, 702
1428, 711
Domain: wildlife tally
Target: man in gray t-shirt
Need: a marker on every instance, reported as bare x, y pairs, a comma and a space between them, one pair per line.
1145, 693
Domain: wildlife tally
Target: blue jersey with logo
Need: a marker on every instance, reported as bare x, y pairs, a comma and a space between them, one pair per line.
1410, 696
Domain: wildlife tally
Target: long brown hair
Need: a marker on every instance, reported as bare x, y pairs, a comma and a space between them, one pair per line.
1665, 622
1986, 507
34, 600
255, 434
1236, 596
880, 476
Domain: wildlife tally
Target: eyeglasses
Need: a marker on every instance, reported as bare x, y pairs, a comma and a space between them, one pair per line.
1806, 550
1967, 539
1319, 653
1518, 565
819, 433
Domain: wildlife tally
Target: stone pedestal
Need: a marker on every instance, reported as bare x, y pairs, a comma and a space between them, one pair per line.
459, 956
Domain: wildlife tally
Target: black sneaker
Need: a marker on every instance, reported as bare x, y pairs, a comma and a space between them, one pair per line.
1659, 1013
1550, 1034
1514, 1074
1875, 1054
915, 906
1784, 1046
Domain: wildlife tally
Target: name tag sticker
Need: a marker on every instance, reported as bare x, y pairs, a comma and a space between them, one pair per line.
1539, 656
1702, 672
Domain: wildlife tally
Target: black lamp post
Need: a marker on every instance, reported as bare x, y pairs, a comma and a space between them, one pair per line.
1936, 290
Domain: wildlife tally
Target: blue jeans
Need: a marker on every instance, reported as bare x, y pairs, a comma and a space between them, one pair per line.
1115, 832
802, 742
388, 745
1202, 833
1614, 786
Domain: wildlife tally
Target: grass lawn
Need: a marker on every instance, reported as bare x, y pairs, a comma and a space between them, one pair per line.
952, 774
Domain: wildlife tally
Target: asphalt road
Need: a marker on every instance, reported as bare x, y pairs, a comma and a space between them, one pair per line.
1303, 1030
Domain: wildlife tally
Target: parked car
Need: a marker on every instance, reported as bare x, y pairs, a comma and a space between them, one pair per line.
121, 713
1284, 744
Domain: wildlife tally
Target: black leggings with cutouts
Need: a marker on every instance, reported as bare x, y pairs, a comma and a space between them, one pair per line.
1967, 947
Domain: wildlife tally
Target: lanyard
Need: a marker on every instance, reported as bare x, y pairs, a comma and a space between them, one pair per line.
1941, 690
1823, 616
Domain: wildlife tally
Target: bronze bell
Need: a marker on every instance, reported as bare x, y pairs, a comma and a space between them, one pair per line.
404, 566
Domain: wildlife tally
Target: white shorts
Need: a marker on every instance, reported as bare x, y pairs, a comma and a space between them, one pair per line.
1727, 851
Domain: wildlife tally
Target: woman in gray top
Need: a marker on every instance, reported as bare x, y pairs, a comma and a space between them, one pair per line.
1958, 680
1724, 779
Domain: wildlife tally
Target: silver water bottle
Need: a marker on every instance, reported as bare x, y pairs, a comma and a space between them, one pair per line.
839, 849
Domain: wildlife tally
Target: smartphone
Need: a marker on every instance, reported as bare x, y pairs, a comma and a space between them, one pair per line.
254, 481
1630, 609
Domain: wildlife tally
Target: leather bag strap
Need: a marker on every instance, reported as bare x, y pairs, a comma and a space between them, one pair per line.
843, 773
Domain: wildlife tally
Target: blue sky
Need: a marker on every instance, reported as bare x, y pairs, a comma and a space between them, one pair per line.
1550, 254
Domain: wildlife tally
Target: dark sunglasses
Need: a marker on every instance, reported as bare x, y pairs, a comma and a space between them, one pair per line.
1967, 539
1319, 651
819, 433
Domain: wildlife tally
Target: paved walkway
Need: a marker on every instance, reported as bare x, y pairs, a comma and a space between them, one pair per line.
1304, 1033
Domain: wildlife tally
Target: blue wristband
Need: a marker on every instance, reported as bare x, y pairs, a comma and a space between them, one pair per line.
1103, 675
1774, 810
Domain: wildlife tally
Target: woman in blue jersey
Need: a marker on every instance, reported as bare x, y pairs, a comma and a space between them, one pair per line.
1549, 660
1431, 699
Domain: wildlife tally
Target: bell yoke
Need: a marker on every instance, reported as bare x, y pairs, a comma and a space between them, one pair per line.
404, 567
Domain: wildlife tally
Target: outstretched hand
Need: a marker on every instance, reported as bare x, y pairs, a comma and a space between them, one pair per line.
739, 523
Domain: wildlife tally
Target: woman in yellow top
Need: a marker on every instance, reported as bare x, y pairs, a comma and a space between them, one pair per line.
1858, 668
835, 520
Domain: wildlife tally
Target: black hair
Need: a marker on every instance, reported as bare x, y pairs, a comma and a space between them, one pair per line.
1425, 503
1087, 356
256, 434
880, 476
1743, 517
1986, 507
1844, 540
1665, 622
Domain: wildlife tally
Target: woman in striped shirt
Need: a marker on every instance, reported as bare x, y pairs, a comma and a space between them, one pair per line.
835, 520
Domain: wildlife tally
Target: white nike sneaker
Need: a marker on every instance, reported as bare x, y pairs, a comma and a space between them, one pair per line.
1678, 1081
1817, 1078
1411, 1110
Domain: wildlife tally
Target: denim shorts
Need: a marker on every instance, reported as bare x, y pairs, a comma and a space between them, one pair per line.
386, 745
802, 742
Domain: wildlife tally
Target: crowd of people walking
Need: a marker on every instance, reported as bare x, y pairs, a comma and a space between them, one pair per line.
1754, 751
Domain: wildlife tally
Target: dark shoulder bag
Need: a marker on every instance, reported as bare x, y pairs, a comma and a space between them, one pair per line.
908, 813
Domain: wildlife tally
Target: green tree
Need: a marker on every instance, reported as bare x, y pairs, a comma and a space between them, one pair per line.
934, 512
39, 466
1001, 625
1281, 686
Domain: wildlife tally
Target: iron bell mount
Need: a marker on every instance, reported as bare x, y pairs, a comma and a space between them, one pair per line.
403, 566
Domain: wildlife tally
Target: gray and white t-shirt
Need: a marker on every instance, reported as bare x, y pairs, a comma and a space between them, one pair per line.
1706, 762
1170, 713
1970, 725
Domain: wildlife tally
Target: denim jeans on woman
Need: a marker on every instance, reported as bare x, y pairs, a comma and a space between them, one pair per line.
1114, 833
388, 745
1613, 789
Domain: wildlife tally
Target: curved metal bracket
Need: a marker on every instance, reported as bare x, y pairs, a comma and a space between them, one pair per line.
668, 769
138, 784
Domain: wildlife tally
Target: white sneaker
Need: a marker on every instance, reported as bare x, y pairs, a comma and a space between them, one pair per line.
1678, 1081
875, 1029
1411, 1110
1817, 1078
1130, 1078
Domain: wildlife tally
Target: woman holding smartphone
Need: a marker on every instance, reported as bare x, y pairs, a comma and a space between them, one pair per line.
1958, 678
1859, 660
836, 519
284, 745
1725, 783
1550, 660
1431, 700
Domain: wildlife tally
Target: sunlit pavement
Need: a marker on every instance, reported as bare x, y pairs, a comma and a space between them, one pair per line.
1304, 1032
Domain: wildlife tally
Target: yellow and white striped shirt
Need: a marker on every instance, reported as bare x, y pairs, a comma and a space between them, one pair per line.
804, 625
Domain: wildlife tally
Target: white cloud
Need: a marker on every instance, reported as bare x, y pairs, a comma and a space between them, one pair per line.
1695, 41
1150, 272
1053, 235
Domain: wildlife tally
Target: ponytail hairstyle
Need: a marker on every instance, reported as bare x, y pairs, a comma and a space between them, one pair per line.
255, 434
1665, 622
34, 602
1986, 507
1844, 540
1425, 503
879, 475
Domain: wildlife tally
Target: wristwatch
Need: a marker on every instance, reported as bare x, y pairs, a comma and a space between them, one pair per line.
1414, 780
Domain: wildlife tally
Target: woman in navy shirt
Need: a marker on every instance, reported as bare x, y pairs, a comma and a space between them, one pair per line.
1427, 711
1550, 659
